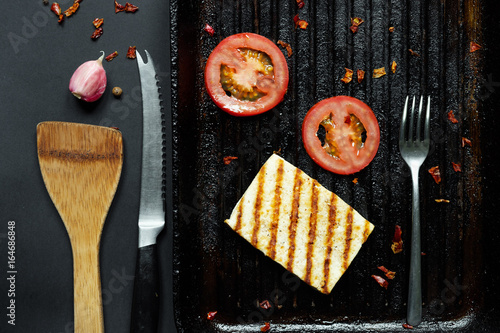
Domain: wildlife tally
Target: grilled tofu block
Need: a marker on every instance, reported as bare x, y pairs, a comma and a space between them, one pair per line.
300, 224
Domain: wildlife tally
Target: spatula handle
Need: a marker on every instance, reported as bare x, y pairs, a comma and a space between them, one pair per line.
145, 303
87, 290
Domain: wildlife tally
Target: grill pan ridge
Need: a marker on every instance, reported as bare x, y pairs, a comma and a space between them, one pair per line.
216, 270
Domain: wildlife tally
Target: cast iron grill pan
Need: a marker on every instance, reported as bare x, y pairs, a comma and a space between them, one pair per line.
217, 270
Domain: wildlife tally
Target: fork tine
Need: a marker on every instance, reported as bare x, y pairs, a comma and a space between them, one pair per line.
427, 120
419, 121
402, 128
412, 121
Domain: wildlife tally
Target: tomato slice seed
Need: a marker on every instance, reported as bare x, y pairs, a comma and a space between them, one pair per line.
243, 83
356, 134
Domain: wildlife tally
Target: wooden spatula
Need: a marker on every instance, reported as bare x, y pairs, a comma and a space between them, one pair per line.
81, 166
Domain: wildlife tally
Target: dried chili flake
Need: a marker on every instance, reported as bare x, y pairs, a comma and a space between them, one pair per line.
266, 327
347, 76
286, 46
442, 200
393, 66
211, 315
465, 142
451, 117
131, 52
130, 8
302, 24
72, 9
391, 29
361, 75
265, 305
229, 159
381, 281
436, 174
379, 72
97, 33
55, 8
389, 274
413, 53
208, 28
111, 56
474, 47
408, 326
456, 167
97, 22
300, 4
397, 241
355, 180
355, 23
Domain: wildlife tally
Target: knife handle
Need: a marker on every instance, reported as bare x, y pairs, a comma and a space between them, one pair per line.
145, 301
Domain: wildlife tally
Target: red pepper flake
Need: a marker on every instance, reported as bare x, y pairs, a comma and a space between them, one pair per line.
129, 8
361, 75
355, 180
97, 22
347, 76
131, 52
111, 56
397, 241
286, 46
381, 281
393, 66
436, 174
208, 28
71, 10
265, 305
266, 327
229, 159
451, 117
379, 72
457, 167
413, 53
300, 3
211, 315
465, 142
56, 9
355, 23
391, 29
442, 200
408, 326
474, 47
97, 33
423, 253
389, 274
302, 24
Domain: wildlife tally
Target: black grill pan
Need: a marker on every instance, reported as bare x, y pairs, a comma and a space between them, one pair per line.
216, 270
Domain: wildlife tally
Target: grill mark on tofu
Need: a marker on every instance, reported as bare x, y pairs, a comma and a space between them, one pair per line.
348, 233
312, 231
292, 228
237, 227
332, 224
276, 211
258, 206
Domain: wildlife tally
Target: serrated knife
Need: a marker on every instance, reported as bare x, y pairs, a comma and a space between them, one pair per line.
145, 306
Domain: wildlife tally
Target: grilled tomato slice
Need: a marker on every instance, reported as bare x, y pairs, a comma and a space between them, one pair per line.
341, 134
246, 74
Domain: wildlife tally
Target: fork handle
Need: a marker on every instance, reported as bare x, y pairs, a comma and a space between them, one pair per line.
414, 314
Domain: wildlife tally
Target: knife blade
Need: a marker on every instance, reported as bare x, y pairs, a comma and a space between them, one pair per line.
145, 302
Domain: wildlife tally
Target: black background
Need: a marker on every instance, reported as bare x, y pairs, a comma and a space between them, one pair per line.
38, 57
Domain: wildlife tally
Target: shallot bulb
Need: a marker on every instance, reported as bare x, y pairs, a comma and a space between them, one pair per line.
89, 80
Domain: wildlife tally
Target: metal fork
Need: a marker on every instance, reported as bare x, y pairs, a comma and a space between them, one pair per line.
414, 149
